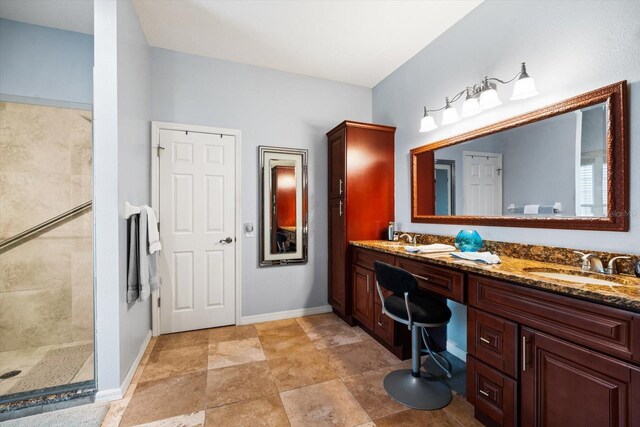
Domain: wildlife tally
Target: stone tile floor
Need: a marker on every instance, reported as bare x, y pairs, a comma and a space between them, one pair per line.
309, 371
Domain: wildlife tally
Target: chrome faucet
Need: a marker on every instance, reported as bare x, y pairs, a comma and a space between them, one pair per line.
591, 262
413, 240
612, 267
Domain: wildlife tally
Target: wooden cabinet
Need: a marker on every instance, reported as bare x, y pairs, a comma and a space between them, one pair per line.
563, 355
361, 201
442, 281
362, 285
566, 385
493, 394
338, 297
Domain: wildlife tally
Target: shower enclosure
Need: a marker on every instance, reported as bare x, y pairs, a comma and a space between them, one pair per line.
46, 250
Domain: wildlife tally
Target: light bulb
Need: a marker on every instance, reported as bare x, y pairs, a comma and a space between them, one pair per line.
470, 107
427, 123
489, 99
524, 88
449, 115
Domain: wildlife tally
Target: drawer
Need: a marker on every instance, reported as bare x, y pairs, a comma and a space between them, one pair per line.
442, 281
383, 326
492, 393
493, 340
365, 257
610, 330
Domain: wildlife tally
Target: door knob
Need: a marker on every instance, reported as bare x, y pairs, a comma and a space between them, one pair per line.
227, 240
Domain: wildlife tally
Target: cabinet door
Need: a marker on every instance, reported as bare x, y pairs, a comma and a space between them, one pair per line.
362, 285
384, 326
337, 253
337, 165
566, 385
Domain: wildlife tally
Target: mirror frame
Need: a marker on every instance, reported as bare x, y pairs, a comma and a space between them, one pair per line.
617, 219
302, 230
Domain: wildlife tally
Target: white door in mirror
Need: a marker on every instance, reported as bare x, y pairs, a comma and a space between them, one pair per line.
482, 183
197, 230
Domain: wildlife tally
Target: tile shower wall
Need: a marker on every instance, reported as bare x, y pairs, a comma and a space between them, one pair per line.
46, 286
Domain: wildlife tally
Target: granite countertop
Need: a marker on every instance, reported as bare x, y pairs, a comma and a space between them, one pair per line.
518, 270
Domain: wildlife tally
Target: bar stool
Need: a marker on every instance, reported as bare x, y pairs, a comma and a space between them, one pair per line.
407, 386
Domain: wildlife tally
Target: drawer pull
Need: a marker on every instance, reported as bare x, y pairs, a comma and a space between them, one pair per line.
484, 340
484, 393
420, 277
367, 283
381, 324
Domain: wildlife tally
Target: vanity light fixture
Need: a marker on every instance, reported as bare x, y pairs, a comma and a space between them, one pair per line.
480, 97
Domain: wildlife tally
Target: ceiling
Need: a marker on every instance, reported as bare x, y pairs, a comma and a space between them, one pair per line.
352, 41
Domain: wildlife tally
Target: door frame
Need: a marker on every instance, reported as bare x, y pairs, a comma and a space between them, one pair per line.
156, 127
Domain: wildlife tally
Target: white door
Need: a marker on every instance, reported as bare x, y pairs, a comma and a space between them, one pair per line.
482, 184
197, 223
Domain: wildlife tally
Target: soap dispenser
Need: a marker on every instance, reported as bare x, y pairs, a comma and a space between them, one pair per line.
390, 231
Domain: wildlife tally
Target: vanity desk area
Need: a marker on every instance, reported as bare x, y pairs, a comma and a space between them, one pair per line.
549, 343
537, 347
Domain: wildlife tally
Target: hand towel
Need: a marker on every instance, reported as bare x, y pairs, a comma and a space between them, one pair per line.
485, 257
152, 232
531, 209
133, 291
433, 248
143, 256
149, 273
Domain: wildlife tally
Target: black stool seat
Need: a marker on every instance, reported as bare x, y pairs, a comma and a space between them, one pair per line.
423, 309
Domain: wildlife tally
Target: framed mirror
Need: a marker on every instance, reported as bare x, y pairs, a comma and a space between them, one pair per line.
283, 206
563, 166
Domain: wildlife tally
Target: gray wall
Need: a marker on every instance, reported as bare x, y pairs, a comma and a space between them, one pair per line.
270, 108
45, 63
570, 48
134, 166
122, 162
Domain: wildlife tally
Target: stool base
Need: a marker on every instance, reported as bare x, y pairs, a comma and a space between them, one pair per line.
424, 393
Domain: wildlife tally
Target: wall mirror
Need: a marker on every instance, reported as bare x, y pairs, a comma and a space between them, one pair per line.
563, 166
283, 202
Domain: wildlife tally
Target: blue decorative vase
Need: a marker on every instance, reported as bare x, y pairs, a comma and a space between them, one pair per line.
468, 241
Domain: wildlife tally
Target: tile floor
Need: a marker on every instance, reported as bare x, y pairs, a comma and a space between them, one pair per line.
309, 371
25, 359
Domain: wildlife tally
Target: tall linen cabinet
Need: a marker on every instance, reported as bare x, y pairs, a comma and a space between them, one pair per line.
361, 200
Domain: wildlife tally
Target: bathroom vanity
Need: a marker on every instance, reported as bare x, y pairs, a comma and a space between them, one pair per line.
539, 349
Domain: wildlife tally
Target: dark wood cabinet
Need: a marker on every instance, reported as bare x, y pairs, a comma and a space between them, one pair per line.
565, 385
361, 201
384, 327
362, 284
493, 394
493, 340
338, 297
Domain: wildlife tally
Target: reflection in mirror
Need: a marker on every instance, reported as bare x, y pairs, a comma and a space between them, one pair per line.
555, 167
562, 166
284, 206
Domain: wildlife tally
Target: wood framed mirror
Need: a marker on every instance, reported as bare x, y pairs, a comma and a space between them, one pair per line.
283, 206
563, 166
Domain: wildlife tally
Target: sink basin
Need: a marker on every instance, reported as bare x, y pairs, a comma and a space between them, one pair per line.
575, 277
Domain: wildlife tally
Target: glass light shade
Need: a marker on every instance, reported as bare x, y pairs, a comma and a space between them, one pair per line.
489, 99
470, 107
427, 123
449, 115
524, 88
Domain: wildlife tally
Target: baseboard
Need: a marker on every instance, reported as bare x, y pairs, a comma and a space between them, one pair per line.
279, 315
118, 393
456, 351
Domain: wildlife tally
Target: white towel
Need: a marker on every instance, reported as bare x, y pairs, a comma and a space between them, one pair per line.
486, 257
531, 209
433, 248
152, 232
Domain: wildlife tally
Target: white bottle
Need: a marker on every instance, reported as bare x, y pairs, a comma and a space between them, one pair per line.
391, 231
